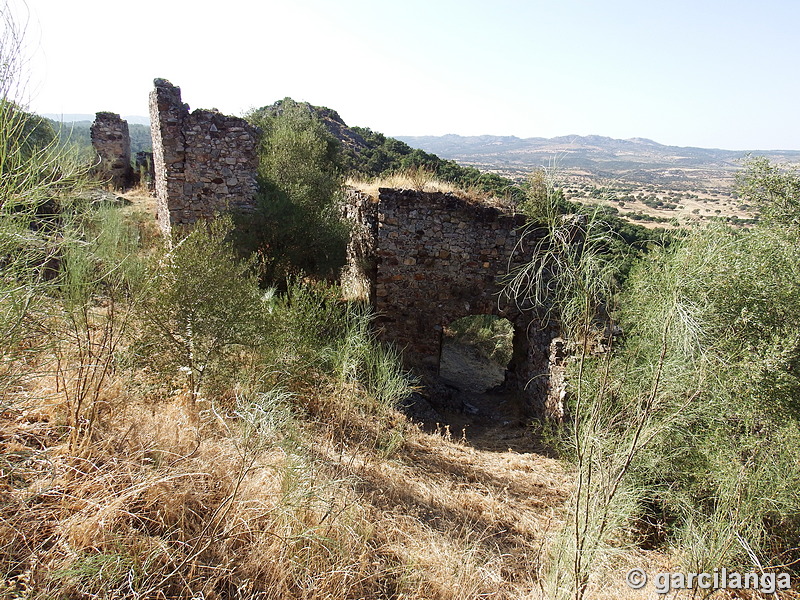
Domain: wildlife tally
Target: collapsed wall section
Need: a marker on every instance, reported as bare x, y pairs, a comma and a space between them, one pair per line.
424, 260
359, 273
205, 162
112, 142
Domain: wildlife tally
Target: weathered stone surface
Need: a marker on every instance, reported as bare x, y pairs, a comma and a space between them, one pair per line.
205, 162
424, 260
143, 169
111, 140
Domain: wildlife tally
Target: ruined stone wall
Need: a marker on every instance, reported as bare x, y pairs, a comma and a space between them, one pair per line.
205, 162
427, 259
112, 142
359, 274
143, 170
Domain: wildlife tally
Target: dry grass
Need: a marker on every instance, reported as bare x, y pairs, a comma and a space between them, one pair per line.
172, 499
422, 180
163, 509
140, 199
168, 499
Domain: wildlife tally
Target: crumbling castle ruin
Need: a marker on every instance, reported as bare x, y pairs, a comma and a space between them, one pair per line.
111, 140
205, 162
424, 260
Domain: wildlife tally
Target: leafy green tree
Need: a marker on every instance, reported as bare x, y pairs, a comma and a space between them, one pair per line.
298, 227
775, 189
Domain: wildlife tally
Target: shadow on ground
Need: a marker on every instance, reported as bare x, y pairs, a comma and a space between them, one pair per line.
466, 400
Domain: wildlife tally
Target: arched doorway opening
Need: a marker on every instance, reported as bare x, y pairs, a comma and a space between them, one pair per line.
476, 352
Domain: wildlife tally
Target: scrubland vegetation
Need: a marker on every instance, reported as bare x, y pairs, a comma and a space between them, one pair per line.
184, 421
210, 419
683, 431
664, 206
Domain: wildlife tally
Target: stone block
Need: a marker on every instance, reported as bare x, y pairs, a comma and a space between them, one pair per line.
111, 141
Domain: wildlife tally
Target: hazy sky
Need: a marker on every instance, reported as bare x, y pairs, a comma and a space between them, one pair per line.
709, 73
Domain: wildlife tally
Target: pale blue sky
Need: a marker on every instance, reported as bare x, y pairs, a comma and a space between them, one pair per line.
707, 73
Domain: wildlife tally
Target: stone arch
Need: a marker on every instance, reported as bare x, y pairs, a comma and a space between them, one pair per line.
424, 260
529, 369
476, 352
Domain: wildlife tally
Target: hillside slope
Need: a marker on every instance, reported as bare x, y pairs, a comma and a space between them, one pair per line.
367, 153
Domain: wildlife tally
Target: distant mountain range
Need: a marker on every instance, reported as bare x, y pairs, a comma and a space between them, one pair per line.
636, 159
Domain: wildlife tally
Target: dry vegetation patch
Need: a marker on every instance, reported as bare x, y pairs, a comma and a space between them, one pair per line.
167, 501
421, 180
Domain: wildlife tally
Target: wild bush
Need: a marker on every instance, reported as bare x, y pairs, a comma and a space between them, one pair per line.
202, 309
99, 284
36, 177
682, 430
738, 297
315, 331
298, 227
571, 282
774, 189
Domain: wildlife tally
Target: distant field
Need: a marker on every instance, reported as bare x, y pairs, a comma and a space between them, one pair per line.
660, 205
676, 199
648, 183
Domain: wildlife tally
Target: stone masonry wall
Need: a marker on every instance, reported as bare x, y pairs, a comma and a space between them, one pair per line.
143, 169
112, 142
359, 274
426, 259
205, 162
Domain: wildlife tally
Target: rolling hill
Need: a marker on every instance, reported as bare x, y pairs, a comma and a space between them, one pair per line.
636, 159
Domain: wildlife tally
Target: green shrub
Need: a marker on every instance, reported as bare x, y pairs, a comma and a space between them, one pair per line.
682, 432
317, 332
731, 374
100, 281
774, 189
36, 178
203, 308
298, 227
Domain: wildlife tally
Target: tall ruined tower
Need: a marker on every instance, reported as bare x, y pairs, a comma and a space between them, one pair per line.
112, 142
205, 162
